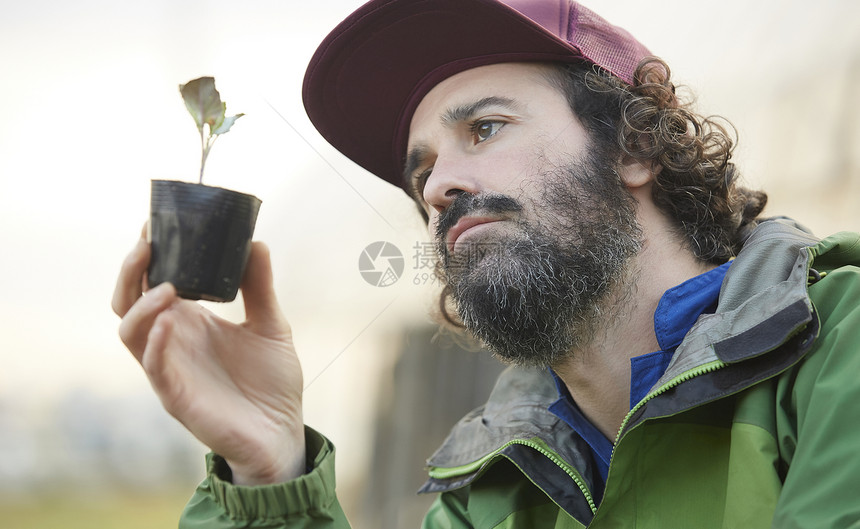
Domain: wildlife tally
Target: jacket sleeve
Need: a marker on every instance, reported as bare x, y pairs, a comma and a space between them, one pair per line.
308, 502
820, 415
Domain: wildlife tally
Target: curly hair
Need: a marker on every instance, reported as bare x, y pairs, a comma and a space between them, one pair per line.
696, 185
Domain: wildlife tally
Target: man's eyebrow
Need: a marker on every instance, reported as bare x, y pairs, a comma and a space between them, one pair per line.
467, 111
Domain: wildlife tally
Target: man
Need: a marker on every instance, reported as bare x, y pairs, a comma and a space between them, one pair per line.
676, 362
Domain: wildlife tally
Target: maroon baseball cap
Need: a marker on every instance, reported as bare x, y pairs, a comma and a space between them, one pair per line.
371, 72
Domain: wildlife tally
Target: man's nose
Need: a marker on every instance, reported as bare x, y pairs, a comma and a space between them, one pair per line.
451, 176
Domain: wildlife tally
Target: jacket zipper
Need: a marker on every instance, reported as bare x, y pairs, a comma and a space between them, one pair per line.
443, 473
701, 370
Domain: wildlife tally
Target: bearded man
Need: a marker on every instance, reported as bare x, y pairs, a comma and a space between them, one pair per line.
676, 360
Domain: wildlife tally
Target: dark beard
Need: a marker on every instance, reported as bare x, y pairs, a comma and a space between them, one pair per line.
537, 295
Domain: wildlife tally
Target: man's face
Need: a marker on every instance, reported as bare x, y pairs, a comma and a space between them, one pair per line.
533, 226
488, 129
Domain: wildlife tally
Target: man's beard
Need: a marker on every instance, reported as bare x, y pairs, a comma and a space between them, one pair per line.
537, 295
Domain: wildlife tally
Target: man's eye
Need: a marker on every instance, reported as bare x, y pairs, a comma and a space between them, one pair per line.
484, 130
420, 181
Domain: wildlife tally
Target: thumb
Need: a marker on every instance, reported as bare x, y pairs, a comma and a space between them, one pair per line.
262, 311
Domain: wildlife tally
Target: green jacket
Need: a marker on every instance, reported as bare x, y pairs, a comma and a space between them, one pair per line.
756, 423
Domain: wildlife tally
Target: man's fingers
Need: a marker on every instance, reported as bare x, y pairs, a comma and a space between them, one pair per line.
261, 305
138, 320
129, 284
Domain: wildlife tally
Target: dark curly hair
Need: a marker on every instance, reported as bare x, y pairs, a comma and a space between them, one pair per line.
696, 185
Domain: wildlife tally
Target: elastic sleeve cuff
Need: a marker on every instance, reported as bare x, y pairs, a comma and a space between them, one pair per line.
314, 492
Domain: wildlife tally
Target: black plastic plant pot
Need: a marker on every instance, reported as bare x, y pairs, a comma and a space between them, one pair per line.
201, 238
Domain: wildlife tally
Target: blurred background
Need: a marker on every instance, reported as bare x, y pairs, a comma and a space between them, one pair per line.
90, 112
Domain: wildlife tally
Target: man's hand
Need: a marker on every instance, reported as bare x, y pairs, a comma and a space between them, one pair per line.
237, 388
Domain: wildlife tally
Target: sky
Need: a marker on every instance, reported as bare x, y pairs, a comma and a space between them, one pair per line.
90, 112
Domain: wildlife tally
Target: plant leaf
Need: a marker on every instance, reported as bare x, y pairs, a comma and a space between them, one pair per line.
203, 101
225, 124
220, 120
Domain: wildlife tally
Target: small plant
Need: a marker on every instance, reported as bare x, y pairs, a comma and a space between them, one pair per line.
204, 103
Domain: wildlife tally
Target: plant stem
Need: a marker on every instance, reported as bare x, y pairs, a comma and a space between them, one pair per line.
205, 147
204, 153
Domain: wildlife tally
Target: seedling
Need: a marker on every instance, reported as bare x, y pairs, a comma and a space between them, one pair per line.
204, 103
201, 235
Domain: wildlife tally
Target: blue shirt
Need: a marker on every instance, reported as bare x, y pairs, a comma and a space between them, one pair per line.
677, 311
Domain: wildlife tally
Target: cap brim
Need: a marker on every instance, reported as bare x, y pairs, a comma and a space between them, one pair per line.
371, 72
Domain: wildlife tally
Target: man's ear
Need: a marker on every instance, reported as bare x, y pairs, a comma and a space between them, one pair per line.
636, 173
